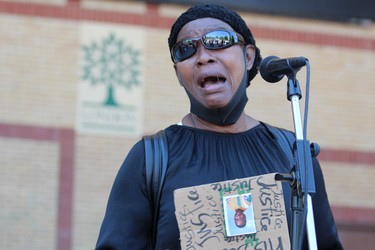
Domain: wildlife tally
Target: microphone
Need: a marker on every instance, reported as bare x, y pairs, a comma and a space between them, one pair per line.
273, 69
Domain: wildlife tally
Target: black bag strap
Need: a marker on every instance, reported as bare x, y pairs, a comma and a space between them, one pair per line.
156, 162
286, 140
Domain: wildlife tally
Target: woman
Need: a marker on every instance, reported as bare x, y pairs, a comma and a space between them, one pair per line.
215, 58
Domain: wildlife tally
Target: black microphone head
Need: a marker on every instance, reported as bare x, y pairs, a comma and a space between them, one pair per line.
266, 75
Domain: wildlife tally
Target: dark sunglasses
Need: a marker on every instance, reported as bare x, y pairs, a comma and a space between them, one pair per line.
213, 40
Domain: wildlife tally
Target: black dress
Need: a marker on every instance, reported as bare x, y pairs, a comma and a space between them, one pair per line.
199, 157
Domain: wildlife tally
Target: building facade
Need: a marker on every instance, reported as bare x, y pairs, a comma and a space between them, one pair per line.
82, 81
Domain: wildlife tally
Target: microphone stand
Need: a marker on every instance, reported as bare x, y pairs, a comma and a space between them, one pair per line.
301, 177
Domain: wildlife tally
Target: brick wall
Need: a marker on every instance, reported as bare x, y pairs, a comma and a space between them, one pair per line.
55, 181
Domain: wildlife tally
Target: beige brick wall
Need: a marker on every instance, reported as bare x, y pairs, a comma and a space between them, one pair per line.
39, 71
39, 75
341, 87
28, 194
349, 185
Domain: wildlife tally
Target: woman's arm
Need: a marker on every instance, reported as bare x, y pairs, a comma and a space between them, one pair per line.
127, 222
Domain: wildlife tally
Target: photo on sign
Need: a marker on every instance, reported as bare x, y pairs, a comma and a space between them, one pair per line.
239, 214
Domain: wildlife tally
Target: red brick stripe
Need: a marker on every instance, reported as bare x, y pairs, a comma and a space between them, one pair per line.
65, 139
152, 18
314, 38
348, 156
355, 216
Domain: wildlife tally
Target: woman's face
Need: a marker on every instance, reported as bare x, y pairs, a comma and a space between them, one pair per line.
213, 76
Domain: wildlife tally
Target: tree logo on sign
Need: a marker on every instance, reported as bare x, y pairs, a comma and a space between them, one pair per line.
112, 63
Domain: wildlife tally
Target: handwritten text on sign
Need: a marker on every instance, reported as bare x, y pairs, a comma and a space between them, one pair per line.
200, 216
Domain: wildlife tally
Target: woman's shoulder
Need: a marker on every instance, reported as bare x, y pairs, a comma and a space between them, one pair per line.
134, 159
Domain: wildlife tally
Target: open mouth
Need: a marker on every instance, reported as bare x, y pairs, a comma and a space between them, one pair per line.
211, 80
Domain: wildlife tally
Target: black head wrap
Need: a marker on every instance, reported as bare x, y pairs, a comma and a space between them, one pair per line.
224, 14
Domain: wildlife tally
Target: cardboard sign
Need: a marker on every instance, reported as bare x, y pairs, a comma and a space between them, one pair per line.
246, 213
